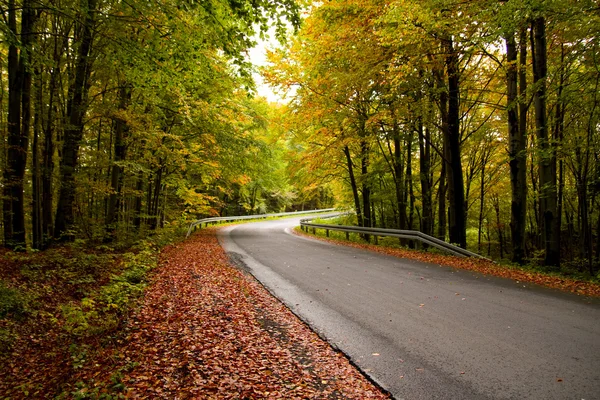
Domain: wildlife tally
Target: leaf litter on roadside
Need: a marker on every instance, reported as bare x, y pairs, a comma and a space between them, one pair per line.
203, 330
208, 330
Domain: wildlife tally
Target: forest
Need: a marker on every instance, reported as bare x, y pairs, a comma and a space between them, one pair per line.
122, 121
475, 122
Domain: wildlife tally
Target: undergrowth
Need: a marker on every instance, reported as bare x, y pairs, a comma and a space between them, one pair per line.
66, 304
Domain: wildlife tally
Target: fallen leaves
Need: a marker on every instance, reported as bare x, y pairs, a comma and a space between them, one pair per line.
207, 329
204, 329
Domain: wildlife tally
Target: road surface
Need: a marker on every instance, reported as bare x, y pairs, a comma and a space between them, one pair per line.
423, 331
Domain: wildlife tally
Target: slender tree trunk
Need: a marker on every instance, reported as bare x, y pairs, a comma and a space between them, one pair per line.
137, 217
409, 182
15, 165
73, 132
354, 186
155, 198
366, 186
499, 226
442, 188
19, 119
558, 137
535, 220
489, 238
456, 196
149, 200
37, 233
481, 205
523, 110
517, 156
373, 214
547, 151
424, 172
399, 177
116, 179
582, 181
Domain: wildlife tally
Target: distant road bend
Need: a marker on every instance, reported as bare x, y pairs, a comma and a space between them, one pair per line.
428, 332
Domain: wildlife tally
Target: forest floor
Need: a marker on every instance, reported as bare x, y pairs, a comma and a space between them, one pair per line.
202, 329
517, 273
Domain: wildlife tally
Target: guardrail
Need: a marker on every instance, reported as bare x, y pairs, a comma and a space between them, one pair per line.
214, 220
403, 234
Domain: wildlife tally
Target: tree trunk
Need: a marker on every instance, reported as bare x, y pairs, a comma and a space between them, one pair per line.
137, 217
442, 188
499, 226
456, 196
481, 205
517, 155
116, 179
399, 177
366, 188
73, 132
354, 186
547, 150
48, 153
424, 172
37, 233
155, 199
409, 182
19, 118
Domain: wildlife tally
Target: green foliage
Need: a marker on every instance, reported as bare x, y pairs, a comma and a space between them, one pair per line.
13, 303
89, 391
112, 390
74, 265
103, 310
7, 339
79, 355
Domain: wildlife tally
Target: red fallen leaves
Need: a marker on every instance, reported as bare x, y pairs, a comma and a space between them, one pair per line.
204, 330
207, 330
482, 266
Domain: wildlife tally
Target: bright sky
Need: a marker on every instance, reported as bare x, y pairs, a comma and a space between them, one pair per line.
258, 57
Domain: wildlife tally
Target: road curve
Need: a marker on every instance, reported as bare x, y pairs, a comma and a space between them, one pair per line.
423, 331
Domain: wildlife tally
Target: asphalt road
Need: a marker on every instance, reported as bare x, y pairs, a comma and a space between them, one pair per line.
423, 331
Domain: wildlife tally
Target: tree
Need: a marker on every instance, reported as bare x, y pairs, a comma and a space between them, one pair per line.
547, 150
516, 106
19, 119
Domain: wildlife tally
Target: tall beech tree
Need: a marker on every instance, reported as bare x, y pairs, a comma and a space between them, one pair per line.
549, 219
19, 119
516, 106
77, 105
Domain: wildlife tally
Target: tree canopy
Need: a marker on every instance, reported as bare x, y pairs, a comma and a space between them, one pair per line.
475, 122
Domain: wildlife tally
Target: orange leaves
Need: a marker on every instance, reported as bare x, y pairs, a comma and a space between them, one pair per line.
203, 330
216, 332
